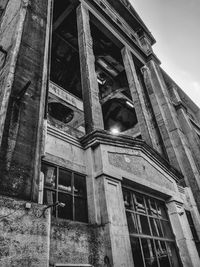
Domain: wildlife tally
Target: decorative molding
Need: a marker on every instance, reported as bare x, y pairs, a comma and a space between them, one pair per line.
55, 132
99, 137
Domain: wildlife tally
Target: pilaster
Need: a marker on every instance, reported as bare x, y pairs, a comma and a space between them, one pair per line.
25, 96
137, 97
175, 142
187, 127
90, 90
11, 29
113, 218
187, 249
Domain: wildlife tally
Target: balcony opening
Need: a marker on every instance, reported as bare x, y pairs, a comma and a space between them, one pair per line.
65, 108
115, 97
65, 65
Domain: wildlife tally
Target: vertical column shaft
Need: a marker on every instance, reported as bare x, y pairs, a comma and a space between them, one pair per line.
136, 93
92, 107
188, 253
113, 217
176, 144
187, 127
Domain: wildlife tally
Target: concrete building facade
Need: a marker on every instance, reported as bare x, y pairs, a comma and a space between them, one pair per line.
99, 147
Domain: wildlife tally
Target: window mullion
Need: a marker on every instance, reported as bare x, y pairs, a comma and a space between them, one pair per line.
142, 252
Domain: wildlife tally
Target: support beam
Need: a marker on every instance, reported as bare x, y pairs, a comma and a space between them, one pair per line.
63, 16
137, 97
175, 141
90, 89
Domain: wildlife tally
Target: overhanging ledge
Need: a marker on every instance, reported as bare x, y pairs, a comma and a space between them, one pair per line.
103, 137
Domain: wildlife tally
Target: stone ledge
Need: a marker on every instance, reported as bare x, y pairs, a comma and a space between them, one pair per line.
98, 137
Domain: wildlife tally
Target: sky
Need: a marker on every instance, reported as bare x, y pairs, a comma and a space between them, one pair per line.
175, 24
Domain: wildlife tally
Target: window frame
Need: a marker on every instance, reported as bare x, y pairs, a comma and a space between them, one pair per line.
150, 237
58, 190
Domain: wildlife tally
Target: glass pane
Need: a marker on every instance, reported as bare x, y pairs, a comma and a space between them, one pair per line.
65, 212
81, 214
79, 185
137, 253
161, 210
128, 202
151, 207
162, 254
173, 254
167, 229
49, 175
149, 253
156, 227
143, 224
139, 203
64, 181
132, 223
49, 198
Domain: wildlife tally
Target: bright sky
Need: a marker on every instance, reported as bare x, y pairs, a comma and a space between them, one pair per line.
175, 24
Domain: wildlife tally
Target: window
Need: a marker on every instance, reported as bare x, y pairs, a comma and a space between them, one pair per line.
193, 230
67, 187
151, 237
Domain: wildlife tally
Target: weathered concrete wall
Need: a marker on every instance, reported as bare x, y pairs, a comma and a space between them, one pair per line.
135, 165
73, 242
64, 150
10, 37
19, 156
24, 235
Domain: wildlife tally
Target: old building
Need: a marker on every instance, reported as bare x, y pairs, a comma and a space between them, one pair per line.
99, 147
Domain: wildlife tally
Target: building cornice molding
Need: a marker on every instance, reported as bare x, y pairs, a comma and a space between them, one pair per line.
102, 137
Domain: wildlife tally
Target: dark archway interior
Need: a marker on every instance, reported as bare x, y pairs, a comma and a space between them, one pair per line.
60, 112
118, 113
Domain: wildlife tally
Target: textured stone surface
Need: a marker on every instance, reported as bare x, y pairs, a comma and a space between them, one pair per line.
18, 157
140, 167
24, 235
10, 37
92, 107
73, 242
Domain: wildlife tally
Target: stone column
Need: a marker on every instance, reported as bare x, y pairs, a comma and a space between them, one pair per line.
186, 126
11, 29
20, 153
187, 249
193, 209
112, 216
176, 144
90, 90
138, 99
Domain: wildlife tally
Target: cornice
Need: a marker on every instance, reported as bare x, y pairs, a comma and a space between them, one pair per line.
99, 137
153, 57
132, 17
